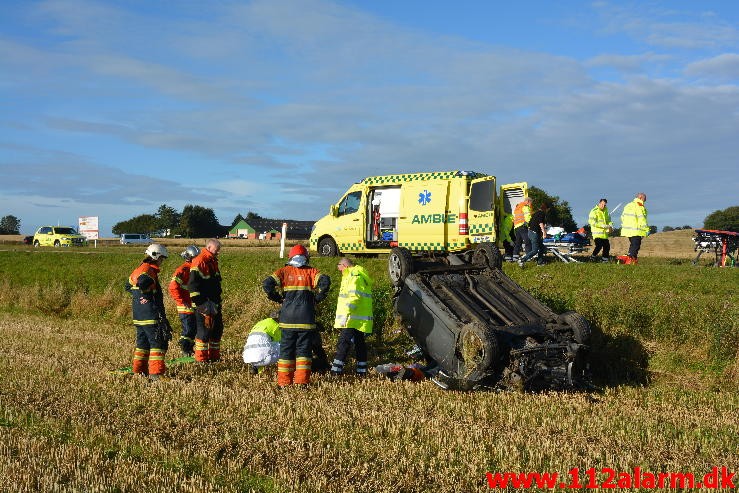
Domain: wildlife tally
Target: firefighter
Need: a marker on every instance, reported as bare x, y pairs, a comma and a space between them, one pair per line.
635, 226
298, 287
153, 331
181, 296
205, 293
521, 218
601, 227
353, 316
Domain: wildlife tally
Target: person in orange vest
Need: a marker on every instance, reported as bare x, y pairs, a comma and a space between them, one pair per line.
179, 293
205, 293
298, 287
153, 331
521, 218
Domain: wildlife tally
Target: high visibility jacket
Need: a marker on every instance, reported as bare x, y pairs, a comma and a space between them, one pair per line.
178, 288
147, 301
270, 327
506, 227
298, 299
205, 279
634, 219
599, 221
521, 214
354, 305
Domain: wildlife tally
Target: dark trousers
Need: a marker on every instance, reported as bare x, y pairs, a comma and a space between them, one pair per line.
522, 238
150, 337
347, 338
602, 243
297, 343
537, 247
189, 326
320, 358
508, 248
634, 246
205, 334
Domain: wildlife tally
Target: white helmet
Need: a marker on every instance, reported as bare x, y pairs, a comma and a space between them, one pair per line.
190, 252
155, 251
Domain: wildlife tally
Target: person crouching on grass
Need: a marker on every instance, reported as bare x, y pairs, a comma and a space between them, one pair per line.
147, 301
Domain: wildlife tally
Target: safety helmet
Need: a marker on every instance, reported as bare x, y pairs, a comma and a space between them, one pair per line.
298, 250
156, 251
190, 252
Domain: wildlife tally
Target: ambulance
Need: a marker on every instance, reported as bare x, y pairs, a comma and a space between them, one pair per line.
416, 213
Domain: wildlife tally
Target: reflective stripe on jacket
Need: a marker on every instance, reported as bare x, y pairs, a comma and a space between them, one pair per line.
178, 288
599, 221
205, 279
270, 327
147, 301
354, 305
521, 214
302, 288
634, 219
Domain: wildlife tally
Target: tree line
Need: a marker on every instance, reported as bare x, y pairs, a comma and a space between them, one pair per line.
194, 221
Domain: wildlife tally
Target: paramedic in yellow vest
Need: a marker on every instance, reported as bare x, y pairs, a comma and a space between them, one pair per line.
506, 231
521, 218
600, 227
634, 224
353, 316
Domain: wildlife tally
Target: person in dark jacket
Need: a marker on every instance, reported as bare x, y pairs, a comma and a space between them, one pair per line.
537, 233
298, 287
153, 331
205, 293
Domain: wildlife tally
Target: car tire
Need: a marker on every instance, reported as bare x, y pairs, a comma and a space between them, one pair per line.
399, 265
36, 244
581, 330
327, 247
477, 348
57, 244
487, 254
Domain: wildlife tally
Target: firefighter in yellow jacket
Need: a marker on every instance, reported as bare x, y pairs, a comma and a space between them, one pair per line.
353, 316
634, 225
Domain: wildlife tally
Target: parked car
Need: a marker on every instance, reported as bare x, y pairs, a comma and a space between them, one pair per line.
28, 240
136, 239
58, 236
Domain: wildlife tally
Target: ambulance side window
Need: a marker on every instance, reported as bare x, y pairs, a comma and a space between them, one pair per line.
350, 204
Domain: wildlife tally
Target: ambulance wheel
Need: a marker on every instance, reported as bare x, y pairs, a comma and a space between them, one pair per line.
580, 327
400, 265
327, 247
487, 254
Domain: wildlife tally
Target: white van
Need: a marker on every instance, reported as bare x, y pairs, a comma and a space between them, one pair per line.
135, 239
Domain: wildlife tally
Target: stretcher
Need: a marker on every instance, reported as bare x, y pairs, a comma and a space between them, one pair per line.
724, 245
564, 245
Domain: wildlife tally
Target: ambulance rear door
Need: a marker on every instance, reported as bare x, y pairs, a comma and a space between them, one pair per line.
510, 196
481, 210
423, 215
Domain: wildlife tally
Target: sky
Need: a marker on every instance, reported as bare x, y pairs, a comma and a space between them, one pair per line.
112, 108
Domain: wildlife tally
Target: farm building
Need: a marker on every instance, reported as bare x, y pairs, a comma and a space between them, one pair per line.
270, 229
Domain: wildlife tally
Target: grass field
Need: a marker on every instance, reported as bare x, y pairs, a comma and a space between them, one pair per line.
664, 353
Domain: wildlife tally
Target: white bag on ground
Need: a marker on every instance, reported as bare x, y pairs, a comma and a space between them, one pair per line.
260, 350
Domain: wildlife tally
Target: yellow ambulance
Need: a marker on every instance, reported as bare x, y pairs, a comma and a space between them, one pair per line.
432, 213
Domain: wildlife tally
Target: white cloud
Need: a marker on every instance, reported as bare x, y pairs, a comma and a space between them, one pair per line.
721, 67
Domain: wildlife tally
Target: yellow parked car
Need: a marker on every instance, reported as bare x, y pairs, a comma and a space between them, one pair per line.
58, 236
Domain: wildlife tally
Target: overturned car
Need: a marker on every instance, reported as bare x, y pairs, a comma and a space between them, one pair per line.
483, 330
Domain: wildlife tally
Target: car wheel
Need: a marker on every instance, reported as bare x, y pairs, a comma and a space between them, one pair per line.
400, 265
580, 327
477, 348
487, 254
36, 244
57, 244
327, 247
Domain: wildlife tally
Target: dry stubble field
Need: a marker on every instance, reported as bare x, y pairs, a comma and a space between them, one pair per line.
670, 398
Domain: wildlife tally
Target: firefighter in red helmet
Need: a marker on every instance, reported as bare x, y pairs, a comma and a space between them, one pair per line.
298, 287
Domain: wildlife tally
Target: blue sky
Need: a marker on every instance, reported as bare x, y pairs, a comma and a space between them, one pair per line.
276, 107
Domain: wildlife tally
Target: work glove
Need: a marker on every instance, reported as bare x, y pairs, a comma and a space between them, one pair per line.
164, 329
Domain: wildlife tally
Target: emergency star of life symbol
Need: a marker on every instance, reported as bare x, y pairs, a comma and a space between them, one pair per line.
424, 197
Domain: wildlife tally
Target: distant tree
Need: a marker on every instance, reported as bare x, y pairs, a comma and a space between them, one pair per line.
10, 225
199, 222
236, 220
559, 213
687, 227
168, 218
145, 223
652, 230
251, 216
667, 228
725, 220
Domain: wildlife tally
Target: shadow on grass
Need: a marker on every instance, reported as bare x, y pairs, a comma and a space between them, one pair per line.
617, 360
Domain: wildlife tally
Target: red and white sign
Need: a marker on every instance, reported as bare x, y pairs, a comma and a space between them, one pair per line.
89, 227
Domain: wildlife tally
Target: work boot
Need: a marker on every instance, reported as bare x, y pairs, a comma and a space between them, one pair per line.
520, 263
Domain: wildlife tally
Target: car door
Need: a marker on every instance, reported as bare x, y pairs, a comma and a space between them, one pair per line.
349, 224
